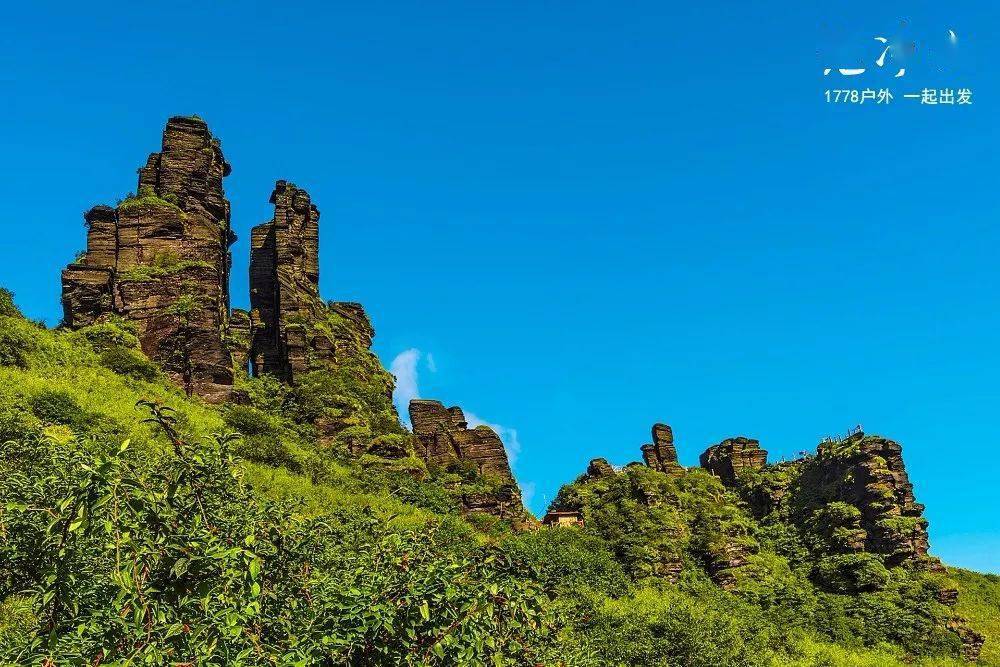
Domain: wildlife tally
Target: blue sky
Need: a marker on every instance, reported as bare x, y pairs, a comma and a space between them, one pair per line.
590, 216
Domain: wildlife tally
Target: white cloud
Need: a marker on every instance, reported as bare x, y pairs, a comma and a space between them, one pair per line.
527, 493
404, 367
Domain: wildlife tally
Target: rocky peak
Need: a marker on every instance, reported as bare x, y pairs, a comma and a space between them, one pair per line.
661, 454
284, 284
599, 468
161, 260
443, 437
189, 167
868, 473
732, 456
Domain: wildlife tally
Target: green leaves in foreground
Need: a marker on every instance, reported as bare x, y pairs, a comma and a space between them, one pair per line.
131, 560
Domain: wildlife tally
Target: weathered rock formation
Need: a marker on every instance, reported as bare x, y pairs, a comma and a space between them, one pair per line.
972, 641
599, 468
292, 330
284, 286
731, 457
161, 260
661, 454
868, 473
443, 436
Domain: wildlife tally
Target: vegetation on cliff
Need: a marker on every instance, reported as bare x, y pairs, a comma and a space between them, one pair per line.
138, 525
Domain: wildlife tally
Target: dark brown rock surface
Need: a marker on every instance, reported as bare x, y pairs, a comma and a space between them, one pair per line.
868, 473
284, 284
732, 456
661, 454
443, 436
161, 260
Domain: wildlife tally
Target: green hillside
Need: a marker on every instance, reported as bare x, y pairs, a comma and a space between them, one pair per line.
139, 525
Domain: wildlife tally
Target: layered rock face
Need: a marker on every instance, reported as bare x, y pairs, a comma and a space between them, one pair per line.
443, 436
661, 454
290, 332
161, 260
732, 456
284, 284
868, 473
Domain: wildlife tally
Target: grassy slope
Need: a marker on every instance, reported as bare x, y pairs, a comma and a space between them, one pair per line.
979, 601
65, 362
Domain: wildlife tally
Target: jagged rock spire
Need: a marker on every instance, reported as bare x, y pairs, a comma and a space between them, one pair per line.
284, 282
661, 454
161, 260
443, 435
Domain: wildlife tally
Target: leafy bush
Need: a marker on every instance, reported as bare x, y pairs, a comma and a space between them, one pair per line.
7, 306
249, 420
570, 560
105, 335
147, 198
16, 344
850, 573
668, 627
270, 450
16, 422
130, 363
172, 560
54, 406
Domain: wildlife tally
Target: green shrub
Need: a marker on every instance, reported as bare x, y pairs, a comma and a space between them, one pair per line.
268, 449
666, 626
16, 620
249, 421
851, 573
130, 363
147, 198
173, 560
55, 406
7, 306
16, 422
16, 344
390, 445
106, 335
570, 560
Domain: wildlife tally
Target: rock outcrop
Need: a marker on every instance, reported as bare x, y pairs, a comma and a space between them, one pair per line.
868, 473
161, 259
599, 468
293, 332
284, 286
731, 457
972, 641
444, 437
661, 454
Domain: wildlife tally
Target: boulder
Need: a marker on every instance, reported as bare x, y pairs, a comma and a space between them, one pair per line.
728, 459
661, 454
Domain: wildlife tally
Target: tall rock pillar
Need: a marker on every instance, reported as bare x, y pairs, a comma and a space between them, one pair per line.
284, 283
161, 260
